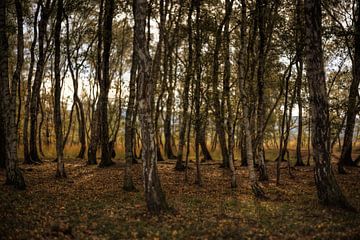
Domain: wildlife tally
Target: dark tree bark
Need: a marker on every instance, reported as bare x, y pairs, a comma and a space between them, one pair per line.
299, 38
243, 87
60, 171
185, 98
218, 109
198, 70
105, 85
329, 192
27, 158
352, 109
35, 95
261, 5
2, 137
129, 123
96, 118
154, 195
227, 98
8, 94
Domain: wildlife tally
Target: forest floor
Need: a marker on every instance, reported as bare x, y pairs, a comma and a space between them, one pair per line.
90, 204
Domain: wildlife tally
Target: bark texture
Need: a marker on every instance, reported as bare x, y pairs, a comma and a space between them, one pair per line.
60, 171
154, 195
8, 95
329, 192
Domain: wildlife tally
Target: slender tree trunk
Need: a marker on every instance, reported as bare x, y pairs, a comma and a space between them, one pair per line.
35, 96
227, 98
218, 109
352, 109
105, 85
27, 158
60, 171
198, 70
185, 98
299, 38
329, 192
154, 195
96, 118
243, 86
280, 157
8, 94
129, 123
261, 5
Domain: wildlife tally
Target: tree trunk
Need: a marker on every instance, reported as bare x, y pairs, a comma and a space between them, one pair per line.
129, 123
96, 117
352, 109
198, 70
329, 192
105, 85
218, 109
8, 94
35, 96
261, 5
243, 86
60, 172
185, 98
154, 195
299, 38
27, 158
227, 98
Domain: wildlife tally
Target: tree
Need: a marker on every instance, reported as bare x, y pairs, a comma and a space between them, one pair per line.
185, 98
60, 172
299, 37
352, 108
243, 88
35, 93
95, 121
329, 192
8, 94
154, 195
27, 158
105, 85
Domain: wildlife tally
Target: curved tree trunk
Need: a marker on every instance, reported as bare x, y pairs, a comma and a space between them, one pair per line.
352, 109
35, 96
329, 192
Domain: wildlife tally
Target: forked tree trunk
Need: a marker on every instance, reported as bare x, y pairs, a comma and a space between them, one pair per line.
95, 124
329, 192
8, 94
154, 195
27, 158
105, 85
